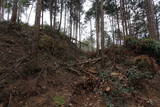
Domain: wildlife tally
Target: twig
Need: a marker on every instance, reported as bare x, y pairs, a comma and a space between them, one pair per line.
10, 99
93, 76
74, 70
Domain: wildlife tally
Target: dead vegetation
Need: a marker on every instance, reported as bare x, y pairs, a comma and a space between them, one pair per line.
65, 76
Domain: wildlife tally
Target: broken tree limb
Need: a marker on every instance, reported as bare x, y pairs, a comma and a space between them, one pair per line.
79, 72
93, 61
85, 62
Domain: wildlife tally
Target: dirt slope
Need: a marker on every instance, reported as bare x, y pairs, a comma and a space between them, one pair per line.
24, 84
65, 77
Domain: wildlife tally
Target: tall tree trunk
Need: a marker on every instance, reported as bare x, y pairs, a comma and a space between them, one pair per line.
18, 14
70, 22
126, 27
102, 33
157, 25
129, 28
55, 14
8, 14
149, 7
61, 15
92, 44
30, 13
122, 9
112, 29
125, 10
26, 13
35, 41
65, 15
14, 11
76, 32
51, 13
42, 18
3, 7
118, 25
1, 10
97, 24
42, 14
80, 34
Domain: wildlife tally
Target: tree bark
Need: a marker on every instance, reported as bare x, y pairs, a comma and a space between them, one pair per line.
157, 26
55, 14
70, 22
102, 33
118, 25
149, 7
51, 13
8, 14
97, 24
65, 16
80, 29
35, 41
14, 11
42, 15
3, 7
112, 29
61, 13
1, 10
30, 14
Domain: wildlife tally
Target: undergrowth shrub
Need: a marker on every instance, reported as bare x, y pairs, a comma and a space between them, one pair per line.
122, 86
47, 43
135, 75
117, 97
116, 54
119, 90
131, 42
59, 101
47, 28
127, 62
143, 64
144, 46
32, 67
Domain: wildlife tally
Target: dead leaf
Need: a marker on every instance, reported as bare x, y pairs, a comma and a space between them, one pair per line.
115, 74
92, 70
108, 89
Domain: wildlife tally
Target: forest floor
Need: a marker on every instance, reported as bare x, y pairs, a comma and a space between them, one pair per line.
67, 77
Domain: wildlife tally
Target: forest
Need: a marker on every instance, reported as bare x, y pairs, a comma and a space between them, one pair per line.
79, 53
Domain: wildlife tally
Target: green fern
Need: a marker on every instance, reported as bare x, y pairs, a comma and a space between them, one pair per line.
59, 100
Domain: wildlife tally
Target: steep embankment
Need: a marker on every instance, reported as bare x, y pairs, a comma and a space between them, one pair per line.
50, 83
65, 76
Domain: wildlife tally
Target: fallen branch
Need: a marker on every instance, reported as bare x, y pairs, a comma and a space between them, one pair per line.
85, 62
74, 70
81, 70
93, 61
93, 76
